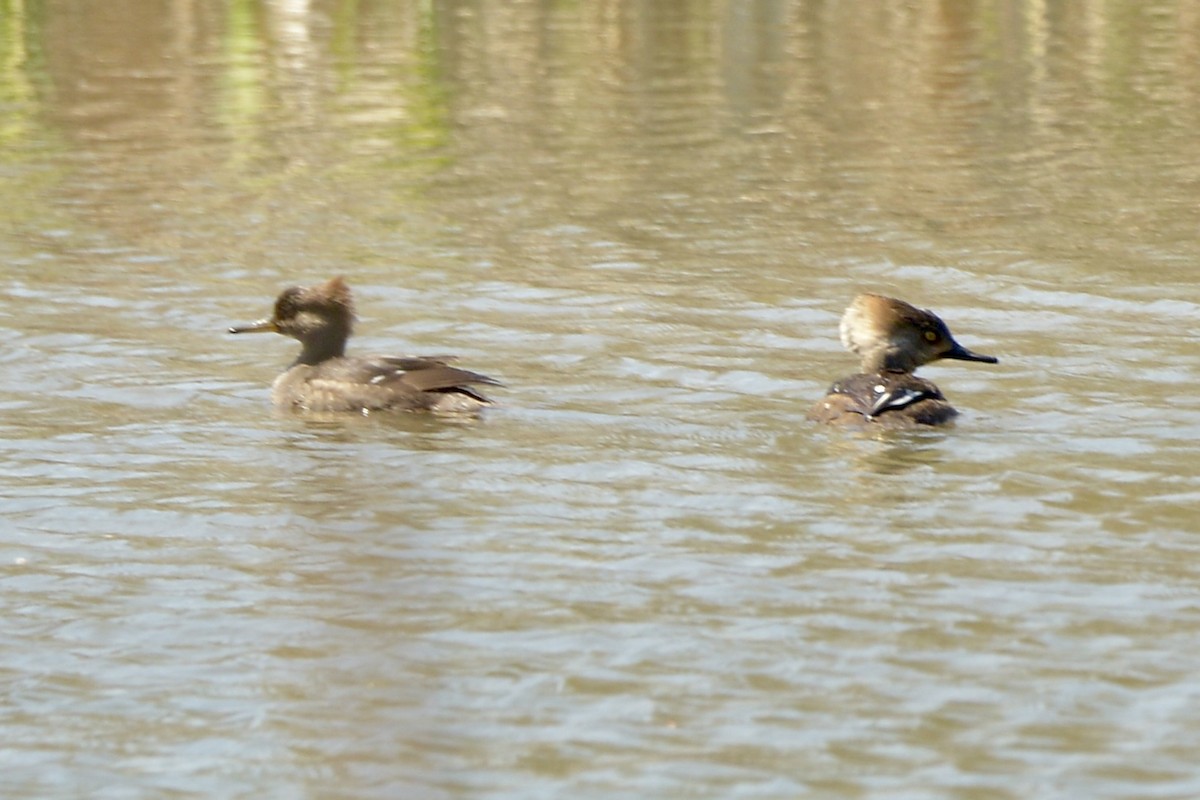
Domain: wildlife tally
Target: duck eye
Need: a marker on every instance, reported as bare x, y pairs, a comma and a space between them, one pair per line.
931, 336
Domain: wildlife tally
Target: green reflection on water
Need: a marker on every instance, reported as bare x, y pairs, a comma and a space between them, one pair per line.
21, 62
242, 85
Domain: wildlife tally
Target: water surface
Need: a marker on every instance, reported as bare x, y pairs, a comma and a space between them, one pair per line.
644, 574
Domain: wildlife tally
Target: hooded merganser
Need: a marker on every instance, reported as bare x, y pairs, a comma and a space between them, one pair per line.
323, 379
893, 338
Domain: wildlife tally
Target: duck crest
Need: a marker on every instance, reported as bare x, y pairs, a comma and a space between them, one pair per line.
336, 291
863, 322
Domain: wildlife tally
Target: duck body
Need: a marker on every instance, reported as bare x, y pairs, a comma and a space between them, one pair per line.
324, 379
893, 338
893, 399
378, 383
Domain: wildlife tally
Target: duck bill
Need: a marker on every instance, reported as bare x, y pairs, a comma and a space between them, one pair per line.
262, 326
960, 353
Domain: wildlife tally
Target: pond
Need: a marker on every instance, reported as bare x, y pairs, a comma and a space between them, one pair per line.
644, 573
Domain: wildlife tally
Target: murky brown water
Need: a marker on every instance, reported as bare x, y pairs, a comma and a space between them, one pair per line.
645, 575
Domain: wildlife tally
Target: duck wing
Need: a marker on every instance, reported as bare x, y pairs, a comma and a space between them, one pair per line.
425, 373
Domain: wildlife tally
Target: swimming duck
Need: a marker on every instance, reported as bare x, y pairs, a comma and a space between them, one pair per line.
893, 338
324, 379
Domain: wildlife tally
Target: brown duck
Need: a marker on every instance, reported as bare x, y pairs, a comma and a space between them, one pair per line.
324, 379
893, 338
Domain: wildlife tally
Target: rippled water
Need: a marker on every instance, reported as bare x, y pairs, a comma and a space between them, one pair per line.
644, 574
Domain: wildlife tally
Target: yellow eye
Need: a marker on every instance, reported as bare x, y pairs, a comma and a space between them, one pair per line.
931, 336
